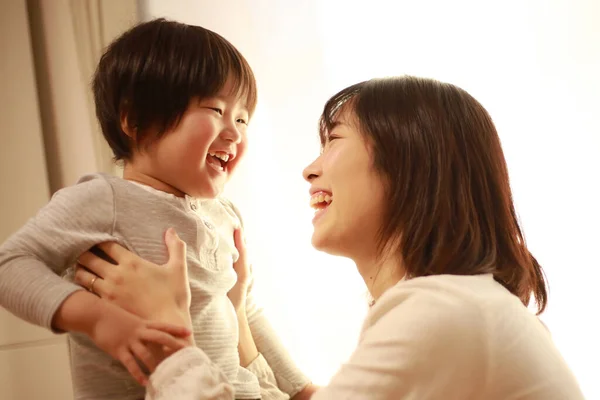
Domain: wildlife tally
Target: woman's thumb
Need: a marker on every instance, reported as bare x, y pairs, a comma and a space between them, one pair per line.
176, 248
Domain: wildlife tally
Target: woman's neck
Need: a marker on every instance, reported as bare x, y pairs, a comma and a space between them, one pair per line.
380, 275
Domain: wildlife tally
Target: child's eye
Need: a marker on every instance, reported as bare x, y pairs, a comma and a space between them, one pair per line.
242, 121
217, 110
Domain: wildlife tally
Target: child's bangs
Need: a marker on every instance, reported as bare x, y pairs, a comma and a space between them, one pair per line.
235, 70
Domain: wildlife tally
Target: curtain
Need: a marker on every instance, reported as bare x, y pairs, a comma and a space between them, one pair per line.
68, 38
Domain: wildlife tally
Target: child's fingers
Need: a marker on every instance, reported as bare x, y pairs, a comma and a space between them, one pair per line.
132, 367
174, 330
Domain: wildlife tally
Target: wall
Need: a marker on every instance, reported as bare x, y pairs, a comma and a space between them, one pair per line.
48, 138
33, 363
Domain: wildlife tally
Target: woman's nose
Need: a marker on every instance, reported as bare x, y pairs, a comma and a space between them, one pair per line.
312, 171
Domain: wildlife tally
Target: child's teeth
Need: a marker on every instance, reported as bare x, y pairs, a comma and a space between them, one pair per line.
220, 156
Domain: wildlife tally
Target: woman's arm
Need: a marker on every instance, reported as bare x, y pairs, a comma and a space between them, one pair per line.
289, 378
189, 375
246, 346
121, 334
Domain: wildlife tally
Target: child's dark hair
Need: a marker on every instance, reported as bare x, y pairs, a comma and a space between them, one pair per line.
152, 72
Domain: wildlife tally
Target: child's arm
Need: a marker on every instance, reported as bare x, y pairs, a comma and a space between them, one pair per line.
32, 259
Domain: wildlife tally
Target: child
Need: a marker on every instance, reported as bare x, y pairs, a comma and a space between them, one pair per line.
173, 102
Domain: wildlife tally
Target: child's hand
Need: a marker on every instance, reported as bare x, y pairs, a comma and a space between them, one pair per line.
242, 268
127, 337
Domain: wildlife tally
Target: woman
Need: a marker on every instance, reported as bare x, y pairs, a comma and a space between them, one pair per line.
412, 185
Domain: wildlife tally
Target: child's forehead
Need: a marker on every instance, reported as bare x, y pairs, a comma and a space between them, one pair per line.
231, 94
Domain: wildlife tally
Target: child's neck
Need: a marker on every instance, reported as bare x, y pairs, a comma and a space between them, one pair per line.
132, 174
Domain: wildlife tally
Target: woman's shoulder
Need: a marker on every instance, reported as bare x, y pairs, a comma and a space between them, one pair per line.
444, 298
448, 303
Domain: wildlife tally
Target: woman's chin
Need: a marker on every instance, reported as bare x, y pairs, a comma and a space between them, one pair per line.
319, 241
325, 243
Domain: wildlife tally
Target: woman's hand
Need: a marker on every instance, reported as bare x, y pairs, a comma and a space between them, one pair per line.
237, 294
128, 338
122, 335
150, 291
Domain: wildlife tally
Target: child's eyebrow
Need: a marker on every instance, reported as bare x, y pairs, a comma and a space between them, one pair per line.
226, 99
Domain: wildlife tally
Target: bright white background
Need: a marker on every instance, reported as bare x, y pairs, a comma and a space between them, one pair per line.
535, 66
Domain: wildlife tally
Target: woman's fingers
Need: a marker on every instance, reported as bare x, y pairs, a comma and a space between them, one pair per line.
177, 250
240, 245
95, 264
143, 353
162, 339
117, 252
174, 330
90, 282
239, 240
130, 363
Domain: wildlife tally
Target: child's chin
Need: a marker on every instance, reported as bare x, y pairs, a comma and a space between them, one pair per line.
206, 192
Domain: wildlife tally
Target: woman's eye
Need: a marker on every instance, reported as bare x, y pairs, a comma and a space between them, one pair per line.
217, 110
331, 138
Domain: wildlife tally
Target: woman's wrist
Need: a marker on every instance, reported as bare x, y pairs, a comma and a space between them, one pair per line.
79, 313
176, 316
246, 346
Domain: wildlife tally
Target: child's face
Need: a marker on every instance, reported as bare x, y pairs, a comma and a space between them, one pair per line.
199, 155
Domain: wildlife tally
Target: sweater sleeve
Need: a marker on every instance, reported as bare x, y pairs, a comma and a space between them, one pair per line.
407, 336
269, 390
188, 375
288, 376
33, 259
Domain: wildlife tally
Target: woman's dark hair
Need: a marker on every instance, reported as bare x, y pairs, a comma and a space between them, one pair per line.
449, 203
152, 72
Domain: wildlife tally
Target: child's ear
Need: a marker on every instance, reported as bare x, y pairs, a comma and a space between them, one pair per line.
126, 127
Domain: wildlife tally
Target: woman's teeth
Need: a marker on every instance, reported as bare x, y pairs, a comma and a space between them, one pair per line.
320, 200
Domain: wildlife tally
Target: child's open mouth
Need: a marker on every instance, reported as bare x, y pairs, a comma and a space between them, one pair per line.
218, 160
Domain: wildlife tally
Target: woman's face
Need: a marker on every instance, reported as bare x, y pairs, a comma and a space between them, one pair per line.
347, 193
